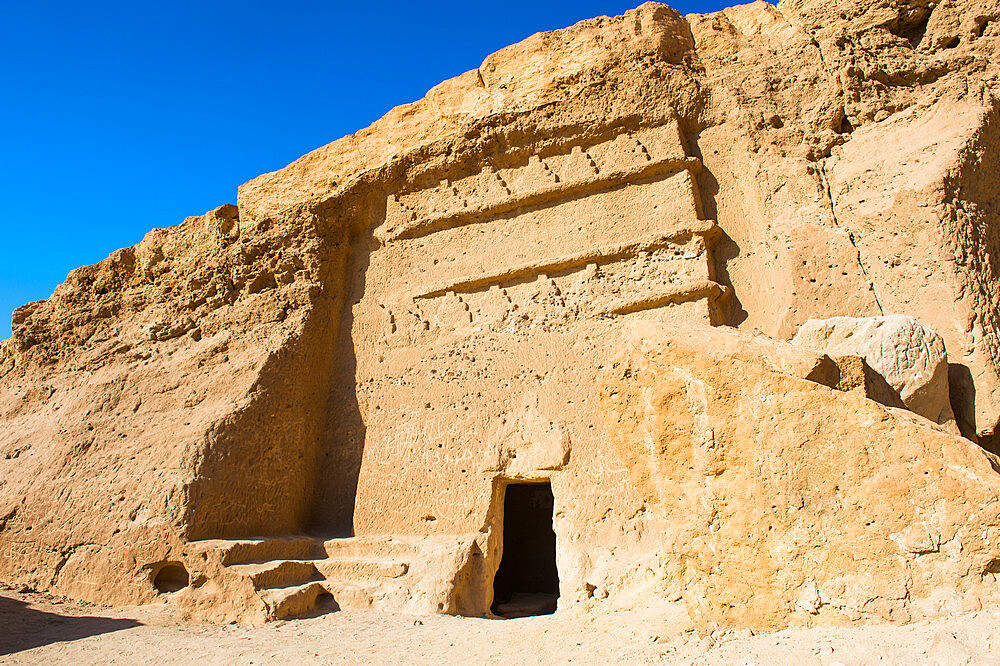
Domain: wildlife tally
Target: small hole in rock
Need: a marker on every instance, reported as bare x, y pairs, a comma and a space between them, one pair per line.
170, 577
912, 25
325, 603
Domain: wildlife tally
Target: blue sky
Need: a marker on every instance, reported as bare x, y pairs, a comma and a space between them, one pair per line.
118, 117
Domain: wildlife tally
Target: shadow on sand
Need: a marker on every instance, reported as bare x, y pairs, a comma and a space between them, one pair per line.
24, 628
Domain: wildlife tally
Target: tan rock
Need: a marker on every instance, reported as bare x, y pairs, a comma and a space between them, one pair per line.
329, 390
910, 356
785, 502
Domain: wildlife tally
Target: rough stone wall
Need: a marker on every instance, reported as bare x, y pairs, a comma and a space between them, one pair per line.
479, 326
785, 502
855, 183
166, 393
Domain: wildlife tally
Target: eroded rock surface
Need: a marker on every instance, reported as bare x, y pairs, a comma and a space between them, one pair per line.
910, 356
786, 502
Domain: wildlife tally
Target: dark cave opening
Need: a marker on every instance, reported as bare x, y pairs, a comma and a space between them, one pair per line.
527, 580
171, 577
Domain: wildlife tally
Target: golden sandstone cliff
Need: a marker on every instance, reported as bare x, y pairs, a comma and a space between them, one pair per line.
577, 267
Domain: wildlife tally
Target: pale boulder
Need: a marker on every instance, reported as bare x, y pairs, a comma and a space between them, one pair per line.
910, 356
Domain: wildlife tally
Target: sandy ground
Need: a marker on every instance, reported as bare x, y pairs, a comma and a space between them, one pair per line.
37, 629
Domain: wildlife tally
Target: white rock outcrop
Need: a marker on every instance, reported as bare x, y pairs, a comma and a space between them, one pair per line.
910, 356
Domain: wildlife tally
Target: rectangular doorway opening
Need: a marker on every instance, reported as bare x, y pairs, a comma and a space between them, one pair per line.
527, 581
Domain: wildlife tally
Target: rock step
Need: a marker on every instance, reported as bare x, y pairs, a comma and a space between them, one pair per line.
245, 551
354, 596
278, 573
370, 548
286, 603
315, 598
354, 569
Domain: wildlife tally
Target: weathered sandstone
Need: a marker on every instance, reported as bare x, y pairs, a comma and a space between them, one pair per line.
785, 502
323, 396
910, 356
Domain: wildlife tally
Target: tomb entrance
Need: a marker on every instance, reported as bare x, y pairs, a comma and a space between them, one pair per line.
527, 580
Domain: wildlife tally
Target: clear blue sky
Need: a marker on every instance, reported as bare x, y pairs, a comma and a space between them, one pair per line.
118, 117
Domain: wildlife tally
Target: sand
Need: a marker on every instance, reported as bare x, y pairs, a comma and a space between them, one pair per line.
38, 629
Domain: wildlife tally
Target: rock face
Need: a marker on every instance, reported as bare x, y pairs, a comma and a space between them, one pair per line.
326, 390
785, 502
910, 356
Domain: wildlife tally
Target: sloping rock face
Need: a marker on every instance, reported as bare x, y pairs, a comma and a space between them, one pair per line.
785, 502
910, 356
854, 182
168, 393
383, 335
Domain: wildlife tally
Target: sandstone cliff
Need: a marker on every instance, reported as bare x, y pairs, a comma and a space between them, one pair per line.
790, 503
219, 379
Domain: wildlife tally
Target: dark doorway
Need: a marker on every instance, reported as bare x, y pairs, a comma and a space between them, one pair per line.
527, 582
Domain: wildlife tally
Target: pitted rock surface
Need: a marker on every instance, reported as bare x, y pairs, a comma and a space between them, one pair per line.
910, 356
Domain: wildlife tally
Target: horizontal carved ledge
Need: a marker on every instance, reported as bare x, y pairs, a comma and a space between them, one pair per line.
539, 197
704, 228
676, 294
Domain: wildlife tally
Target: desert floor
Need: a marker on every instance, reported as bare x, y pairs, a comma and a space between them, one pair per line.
38, 629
